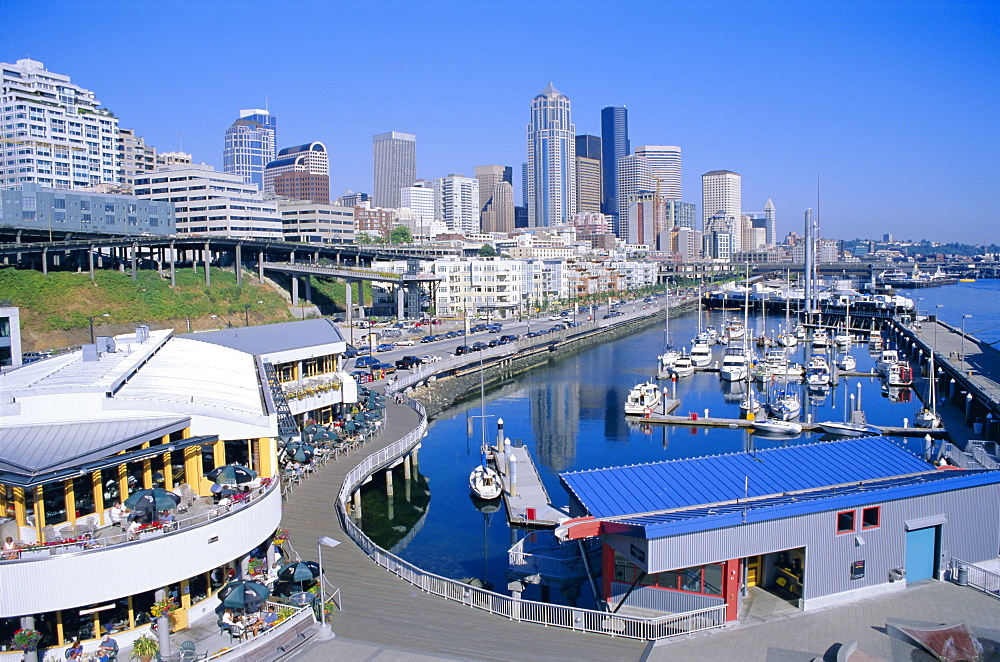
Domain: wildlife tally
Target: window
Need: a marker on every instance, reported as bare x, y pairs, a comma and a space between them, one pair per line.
845, 521
871, 518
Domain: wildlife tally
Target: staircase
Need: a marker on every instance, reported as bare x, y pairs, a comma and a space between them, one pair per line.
286, 422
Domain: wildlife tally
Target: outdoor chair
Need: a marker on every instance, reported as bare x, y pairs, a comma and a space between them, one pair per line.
50, 535
188, 652
235, 631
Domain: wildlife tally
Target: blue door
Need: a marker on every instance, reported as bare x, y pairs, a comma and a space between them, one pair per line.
920, 553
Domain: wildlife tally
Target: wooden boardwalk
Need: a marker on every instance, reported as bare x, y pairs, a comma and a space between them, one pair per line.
382, 610
529, 504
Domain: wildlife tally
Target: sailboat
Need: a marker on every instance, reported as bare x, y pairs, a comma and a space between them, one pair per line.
665, 361
928, 418
843, 337
484, 481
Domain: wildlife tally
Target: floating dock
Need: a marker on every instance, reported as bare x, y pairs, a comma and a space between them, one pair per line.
699, 421
525, 497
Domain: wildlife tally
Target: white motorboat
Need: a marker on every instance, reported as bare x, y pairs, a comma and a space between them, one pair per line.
735, 364
820, 338
786, 405
843, 339
875, 339
735, 330
849, 429
900, 374
485, 483
683, 367
818, 371
665, 363
713, 334
886, 360
847, 362
642, 397
775, 426
701, 354
788, 339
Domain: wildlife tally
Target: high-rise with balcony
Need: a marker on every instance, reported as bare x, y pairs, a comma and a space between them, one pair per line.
456, 202
614, 145
394, 166
551, 159
250, 145
721, 200
54, 133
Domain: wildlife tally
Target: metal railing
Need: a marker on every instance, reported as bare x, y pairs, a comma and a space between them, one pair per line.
978, 578
301, 616
39, 552
584, 620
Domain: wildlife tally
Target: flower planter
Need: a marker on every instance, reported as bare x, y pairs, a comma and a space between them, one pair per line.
32, 553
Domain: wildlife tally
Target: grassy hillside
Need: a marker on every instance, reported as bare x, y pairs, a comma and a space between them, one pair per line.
54, 308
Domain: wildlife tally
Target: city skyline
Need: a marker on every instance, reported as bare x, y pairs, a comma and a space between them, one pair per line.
819, 96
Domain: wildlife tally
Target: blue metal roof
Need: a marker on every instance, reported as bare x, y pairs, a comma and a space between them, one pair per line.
650, 488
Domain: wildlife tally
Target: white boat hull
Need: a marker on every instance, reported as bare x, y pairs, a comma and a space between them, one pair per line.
927, 419
485, 483
777, 427
848, 429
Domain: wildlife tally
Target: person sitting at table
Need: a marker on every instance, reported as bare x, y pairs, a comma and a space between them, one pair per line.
252, 623
10, 549
75, 650
134, 528
166, 518
108, 649
117, 515
232, 624
270, 617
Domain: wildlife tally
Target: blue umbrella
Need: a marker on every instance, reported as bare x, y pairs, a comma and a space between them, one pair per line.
299, 452
244, 594
152, 500
231, 474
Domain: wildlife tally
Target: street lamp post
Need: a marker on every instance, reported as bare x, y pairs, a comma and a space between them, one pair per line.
91, 320
325, 631
246, 313
964, 317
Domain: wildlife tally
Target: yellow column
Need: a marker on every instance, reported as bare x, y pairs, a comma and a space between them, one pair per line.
97, 624
59, 629
123, 482
131, 614
69, 496
168, 471
20, 516
147, 473
98, 489
267, 448
39, 513
192, 469
220, 454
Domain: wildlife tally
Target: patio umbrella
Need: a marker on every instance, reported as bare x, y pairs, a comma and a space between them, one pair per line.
231, 474
300, 452
244, 594
299, 572
153, 500
323, 436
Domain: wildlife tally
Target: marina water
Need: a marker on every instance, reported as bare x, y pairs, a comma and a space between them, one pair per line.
569, 415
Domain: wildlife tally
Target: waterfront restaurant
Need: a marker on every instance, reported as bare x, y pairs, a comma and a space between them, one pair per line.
816, 525
81, 431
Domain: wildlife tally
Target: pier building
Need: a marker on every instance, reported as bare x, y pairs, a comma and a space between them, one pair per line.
82, 431
817, 525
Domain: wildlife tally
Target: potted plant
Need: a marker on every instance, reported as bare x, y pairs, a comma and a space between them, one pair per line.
145, 648
26, 640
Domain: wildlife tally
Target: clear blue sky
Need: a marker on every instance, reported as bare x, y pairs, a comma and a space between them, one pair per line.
895, 105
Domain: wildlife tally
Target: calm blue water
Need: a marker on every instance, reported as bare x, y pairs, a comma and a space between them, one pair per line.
569, 414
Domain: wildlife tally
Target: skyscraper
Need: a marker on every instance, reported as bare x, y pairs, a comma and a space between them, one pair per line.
456, 202
665, 168
721, 199
614, 145
250, 145
70, 141
301, 172
496, 202
772, 230
588, 174
551, 159
394, 165
633, 175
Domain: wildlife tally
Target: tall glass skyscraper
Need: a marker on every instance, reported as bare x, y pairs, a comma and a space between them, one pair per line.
394, 166
614, 144
551, 159
250, 145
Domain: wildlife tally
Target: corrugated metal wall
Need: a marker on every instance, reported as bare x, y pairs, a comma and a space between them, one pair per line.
972, 532
672, 602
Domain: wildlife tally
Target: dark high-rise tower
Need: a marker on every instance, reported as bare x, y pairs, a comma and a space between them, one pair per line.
614, 144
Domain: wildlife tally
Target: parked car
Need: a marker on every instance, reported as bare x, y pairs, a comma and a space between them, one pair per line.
428, 338
385, 347
408, 362
451, 334
495, 328
477, 328
365, 362
479, 346
508, 338
31, 357
462, 349
405, 342
430, 358
388, 367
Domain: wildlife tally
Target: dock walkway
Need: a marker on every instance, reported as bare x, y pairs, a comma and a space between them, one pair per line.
384, 612
528, 501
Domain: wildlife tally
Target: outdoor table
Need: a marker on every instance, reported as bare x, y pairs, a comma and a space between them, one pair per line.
76, 530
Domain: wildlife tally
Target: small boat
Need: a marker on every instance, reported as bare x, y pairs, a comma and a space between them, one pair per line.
665, 363
928, 416
776, 426
701, 354
786, 405
849, 429
735, 329
683, 367
642, 397
735, 364
485, 483
788, 339
750, 404
713, 334
886, 360
820, 338
818, 371
842, 339
847, 362
875, 339
901, 374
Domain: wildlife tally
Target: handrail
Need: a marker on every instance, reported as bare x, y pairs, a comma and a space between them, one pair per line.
301, 614
43, 551
585, 620
978, 577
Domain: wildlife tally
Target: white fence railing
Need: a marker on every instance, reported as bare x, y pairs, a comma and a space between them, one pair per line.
584, 620
980, 578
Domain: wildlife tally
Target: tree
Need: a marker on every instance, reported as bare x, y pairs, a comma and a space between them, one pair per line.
365, 238
401, 235
488, 251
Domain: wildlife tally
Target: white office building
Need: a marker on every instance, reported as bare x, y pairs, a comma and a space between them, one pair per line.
420, 199
250, 144
721, 192
54, 133
207, 202
456, 202
664, 167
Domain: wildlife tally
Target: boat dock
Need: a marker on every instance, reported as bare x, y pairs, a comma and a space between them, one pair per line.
524, 496
696, 420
